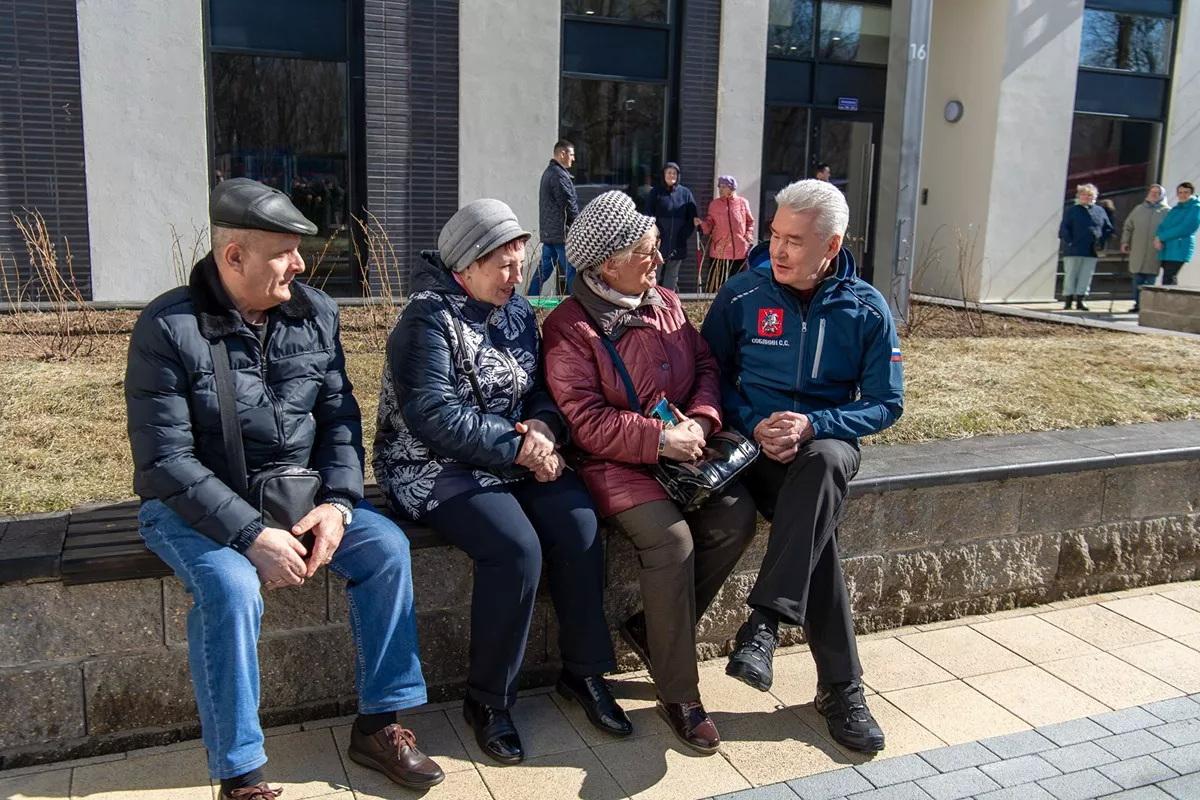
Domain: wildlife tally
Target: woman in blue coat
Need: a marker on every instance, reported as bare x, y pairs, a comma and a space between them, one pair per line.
468, 443
1176, 236
1084, 230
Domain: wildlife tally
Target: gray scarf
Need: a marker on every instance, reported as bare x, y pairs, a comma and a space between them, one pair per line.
613, 312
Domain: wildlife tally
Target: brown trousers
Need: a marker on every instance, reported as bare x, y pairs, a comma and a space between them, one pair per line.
684, 559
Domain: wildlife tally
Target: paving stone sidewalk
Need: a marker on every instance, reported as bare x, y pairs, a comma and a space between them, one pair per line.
1086, 698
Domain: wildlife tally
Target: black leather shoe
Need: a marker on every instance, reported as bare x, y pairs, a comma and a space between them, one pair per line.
850, 722
1079, 304
494, 732
593, 694
750, 661
633, 632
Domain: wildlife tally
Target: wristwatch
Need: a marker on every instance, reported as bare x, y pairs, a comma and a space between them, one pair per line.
345, 510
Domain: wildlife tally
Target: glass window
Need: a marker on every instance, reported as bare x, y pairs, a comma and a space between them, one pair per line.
297, 28
1114, 154
634, 10
785, 153
854, 32
620, 51
1126, 42
617, 128
790, 29
282, 121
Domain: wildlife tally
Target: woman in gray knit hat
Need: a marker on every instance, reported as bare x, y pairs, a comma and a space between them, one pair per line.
468, 442
684, 557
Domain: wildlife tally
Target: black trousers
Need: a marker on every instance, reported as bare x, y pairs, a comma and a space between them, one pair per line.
507, 530
801, 576
683, 560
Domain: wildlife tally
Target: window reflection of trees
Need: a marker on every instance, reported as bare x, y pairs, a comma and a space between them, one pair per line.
1125, 42
636, 10
790, 28
854, 32
617, 128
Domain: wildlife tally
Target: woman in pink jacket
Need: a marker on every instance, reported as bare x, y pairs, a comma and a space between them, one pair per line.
729, 227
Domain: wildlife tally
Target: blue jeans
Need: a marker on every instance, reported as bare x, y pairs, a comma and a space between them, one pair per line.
227, 607
1077, 275
551, 254
1141, 279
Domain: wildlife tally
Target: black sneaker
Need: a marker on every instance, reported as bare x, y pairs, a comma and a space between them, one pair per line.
750, 661
850, 722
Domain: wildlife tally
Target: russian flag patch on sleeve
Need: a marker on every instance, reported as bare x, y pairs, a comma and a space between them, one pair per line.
896, 354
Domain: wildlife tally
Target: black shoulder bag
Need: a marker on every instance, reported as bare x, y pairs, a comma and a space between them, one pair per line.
690, 484
283, 493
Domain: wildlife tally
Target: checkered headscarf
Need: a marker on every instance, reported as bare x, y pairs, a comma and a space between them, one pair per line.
609, 223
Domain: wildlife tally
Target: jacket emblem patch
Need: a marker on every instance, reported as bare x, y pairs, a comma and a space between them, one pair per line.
770, 322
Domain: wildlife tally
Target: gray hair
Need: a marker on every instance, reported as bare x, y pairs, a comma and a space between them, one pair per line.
221, 236
1089, 188
833, 214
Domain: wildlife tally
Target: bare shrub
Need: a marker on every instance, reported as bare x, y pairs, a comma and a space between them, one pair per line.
385, 292
928, 260
966, 264
47, 307
182, 265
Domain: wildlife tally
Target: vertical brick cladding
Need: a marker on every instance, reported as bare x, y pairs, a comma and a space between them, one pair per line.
700, 44
411, 61
41, 130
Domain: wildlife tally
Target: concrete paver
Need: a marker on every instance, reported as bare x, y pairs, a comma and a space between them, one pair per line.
1015, 705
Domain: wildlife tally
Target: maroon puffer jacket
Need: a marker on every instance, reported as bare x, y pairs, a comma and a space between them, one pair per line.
667, 357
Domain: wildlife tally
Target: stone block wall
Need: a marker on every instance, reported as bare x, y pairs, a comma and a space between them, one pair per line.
1171, 308
102, 667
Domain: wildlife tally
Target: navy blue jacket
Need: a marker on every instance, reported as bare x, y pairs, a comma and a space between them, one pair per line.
674, 211
839, 363
295, 403
558, 205
1084, 230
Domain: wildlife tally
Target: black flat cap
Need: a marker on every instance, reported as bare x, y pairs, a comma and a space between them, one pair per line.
246, 203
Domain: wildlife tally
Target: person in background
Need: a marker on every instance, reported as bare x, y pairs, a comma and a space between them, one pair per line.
823, 172
1137, 239
729, 227
1084, 230
1110, 209
1175, 239
557, 208
684, 557
674, 209
810, 362
468, 442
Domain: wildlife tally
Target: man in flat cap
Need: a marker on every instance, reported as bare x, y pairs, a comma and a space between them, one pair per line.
295, 405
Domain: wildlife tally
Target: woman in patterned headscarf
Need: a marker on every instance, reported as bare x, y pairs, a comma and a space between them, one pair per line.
684, 557
468, 442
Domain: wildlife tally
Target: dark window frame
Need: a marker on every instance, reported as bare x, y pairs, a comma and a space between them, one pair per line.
356, 122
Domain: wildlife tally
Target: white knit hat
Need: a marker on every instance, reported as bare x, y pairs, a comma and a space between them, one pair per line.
609, 223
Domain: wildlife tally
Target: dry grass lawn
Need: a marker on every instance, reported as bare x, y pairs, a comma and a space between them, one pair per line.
62, 423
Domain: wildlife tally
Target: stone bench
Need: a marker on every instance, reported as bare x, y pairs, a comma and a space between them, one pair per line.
1172, 308
932, 531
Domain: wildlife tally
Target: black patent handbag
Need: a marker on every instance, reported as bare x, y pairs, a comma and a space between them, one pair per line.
691, 483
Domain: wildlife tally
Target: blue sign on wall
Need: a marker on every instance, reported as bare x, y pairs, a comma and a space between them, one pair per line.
847, 104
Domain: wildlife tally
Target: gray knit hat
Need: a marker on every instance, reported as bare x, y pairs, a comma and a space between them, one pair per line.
475, 230
609, 223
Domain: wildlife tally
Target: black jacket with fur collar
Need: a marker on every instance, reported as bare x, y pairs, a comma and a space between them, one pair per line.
295, 403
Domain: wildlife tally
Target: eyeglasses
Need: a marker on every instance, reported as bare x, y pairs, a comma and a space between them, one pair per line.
646, 253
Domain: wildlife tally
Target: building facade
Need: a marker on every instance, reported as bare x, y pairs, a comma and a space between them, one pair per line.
118, 116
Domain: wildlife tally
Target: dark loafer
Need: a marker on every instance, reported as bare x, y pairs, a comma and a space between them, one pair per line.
593, 694
393, 751
691, 725
750, 661
494, 732
850, 722
259, 791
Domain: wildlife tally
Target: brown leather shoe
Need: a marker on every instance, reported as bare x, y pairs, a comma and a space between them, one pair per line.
393, 751
692, 725
259, 791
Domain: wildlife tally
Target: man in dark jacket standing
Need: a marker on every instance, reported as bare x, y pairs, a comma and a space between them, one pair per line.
557, 209
809, 362
674, 209
295, 405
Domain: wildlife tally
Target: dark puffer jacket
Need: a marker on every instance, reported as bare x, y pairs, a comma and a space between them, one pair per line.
433, 440
295, 403
558, 205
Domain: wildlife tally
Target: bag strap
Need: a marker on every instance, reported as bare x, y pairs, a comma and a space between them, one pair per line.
630, 393
231, 431
467, 365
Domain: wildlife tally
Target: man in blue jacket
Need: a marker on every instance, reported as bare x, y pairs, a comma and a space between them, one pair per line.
558, 206
810, 361
674, 209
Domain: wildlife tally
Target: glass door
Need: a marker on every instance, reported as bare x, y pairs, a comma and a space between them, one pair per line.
849, 144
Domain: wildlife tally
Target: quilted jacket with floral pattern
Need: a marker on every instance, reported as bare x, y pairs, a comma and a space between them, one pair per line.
433, 441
